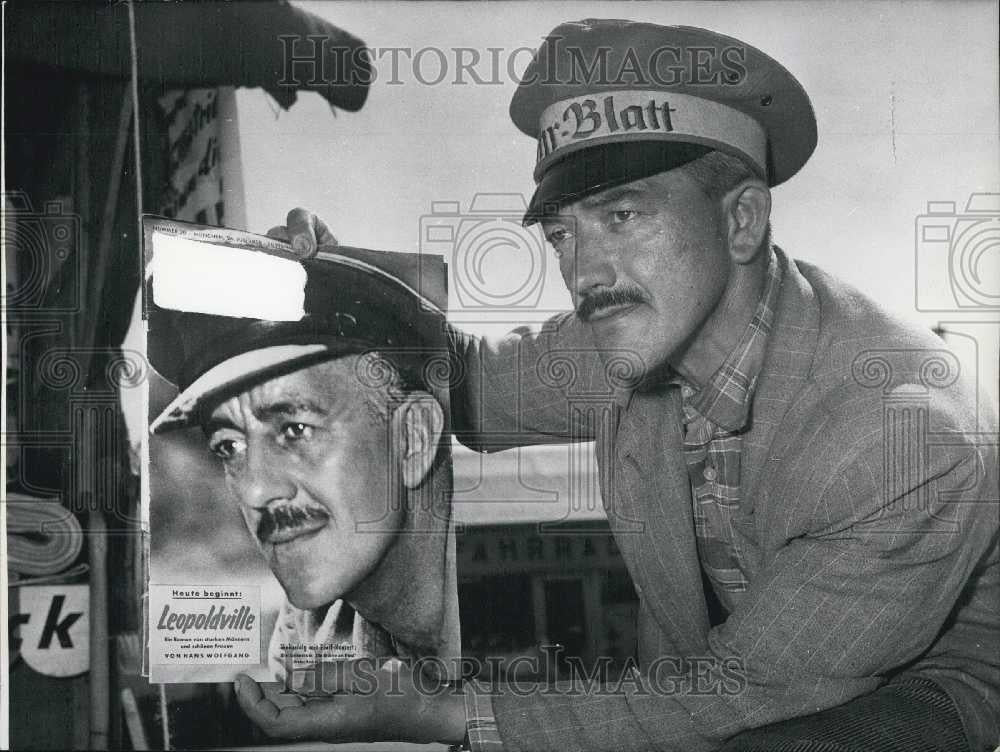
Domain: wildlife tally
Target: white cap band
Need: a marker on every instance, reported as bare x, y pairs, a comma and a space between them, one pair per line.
602, 117
228, 372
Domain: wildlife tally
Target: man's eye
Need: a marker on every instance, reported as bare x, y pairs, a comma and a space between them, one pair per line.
296, 431
557, 238
557, 235
226, 448
623, 215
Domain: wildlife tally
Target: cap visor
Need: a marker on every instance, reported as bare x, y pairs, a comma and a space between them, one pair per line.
593, 170
236, 370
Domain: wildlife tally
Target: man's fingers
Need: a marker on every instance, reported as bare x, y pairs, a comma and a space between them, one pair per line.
255, 703
307, 232
279, 232
288, 715
281, 696
323, 234
355, 676
302, 231
277, 713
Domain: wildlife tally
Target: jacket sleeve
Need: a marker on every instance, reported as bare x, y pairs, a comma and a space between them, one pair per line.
533, 386
860, 590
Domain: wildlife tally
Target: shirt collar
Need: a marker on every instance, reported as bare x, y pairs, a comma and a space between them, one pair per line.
725, 400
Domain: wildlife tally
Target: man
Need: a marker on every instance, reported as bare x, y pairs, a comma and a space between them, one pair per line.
333, 445
794, 478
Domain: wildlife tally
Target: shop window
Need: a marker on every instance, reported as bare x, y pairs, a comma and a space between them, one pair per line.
498, 622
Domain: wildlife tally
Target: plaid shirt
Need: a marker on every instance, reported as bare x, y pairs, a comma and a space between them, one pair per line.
481, 731
715, 417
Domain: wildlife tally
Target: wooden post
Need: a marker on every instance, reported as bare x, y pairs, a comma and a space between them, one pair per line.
100, 688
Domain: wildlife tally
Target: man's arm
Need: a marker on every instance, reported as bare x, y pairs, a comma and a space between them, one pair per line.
537, 385
356, 700
534, 386
833, 611
863, 593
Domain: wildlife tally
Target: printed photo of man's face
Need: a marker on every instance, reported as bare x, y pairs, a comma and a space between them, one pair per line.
318, 463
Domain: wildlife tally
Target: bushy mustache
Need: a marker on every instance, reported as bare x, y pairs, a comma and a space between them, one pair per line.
281, 518
593, 302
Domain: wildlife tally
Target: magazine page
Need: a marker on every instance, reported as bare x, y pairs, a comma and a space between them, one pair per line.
288, 523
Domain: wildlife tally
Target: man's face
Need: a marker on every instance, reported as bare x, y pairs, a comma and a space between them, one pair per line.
307, 458
645, 262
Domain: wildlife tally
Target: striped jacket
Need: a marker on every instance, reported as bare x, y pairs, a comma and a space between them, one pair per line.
869, 507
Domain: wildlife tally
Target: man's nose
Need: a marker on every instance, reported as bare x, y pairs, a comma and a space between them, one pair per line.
264, 477
592, 263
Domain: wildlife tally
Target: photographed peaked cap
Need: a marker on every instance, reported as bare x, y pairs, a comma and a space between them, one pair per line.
678, 91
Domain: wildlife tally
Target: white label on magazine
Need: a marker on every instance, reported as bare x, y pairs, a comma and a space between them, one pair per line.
204, 625
191, 275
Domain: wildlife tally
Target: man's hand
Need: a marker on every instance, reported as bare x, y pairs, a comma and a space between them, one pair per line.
352, 701
305, 231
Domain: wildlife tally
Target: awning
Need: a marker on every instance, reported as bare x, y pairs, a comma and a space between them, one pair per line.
196, 44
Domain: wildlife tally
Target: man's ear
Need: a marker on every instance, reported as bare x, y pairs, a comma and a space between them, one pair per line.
748, 210
417, 426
